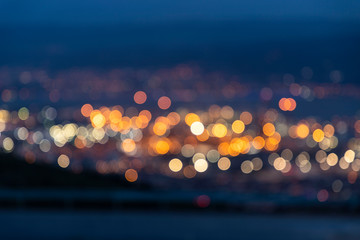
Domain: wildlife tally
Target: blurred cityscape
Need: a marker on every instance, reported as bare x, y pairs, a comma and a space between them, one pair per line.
138, 119
158, 128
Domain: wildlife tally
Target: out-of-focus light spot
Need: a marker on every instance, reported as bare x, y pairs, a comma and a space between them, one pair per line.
357, 126
219, 130
131, 175
332, 159
7, 95
162, 147
257, 164
190, 118
306, 167
322, 195
98, 120
146, 113
238, 126
258, 142
223, 148
23, 113
247, 166
349, 156
302, 131
203, 201
2, 126
30, 157
269, 129
140, 97
63, 161
174, 118
352, 176
341, 127
213, 156
201, 165
204, 136
115, 116
224, 163
69, 130
4, 116
86, 110
175, 165
197, 128
279, 163
329, 130
164, 102
160, 128
321, 156
337, 185
45, 145
22, 133
246, 117
8, 144
295, 89
287, 154
197, 156
128, 145
189, 171
287, 104
50, 113
187, 150
266, 94
98, 134
318, 135
227, 112
343, 164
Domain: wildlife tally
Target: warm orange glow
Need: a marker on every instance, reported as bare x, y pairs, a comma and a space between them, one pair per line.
162, 147
160, 128
219, 130
223, 148
302, 131
204, 136
140, 97
131, 175
318, 135
141, 121
98, 120
128, 145
258, 142
105, 111
125, 123
238, 126
271, 144
146, 114
236, 146
190, 118
86, 110
292, 104
115, 116
269, 129
287, 104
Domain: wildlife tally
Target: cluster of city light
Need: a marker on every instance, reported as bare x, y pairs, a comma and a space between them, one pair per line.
153, 136
214, 137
